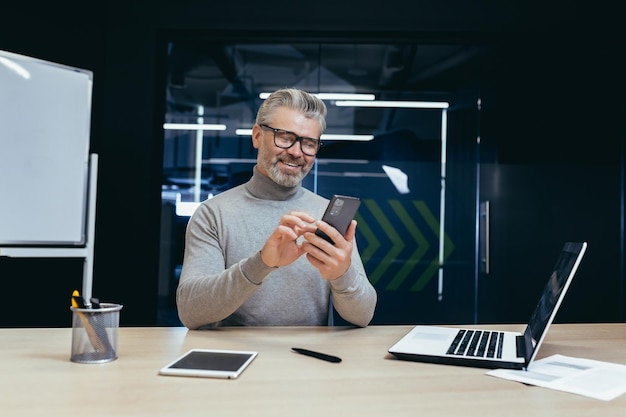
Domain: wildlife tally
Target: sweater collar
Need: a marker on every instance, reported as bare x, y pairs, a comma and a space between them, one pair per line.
265, 188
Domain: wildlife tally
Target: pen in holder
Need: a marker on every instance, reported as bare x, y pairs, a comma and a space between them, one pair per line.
94, 333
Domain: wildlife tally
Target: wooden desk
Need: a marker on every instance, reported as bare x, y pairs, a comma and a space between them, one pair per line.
37, 377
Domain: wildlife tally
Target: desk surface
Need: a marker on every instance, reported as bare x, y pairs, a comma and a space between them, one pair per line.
38, 378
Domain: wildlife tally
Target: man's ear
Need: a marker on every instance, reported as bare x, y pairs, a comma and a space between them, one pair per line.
257, 136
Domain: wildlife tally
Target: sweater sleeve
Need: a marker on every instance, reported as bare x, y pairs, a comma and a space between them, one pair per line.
353, 295
208, 292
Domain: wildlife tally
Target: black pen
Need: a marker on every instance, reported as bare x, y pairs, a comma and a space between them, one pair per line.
318, 355
95, 302
80, 301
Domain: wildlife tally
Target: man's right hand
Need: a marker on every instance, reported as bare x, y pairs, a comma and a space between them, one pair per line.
282, 247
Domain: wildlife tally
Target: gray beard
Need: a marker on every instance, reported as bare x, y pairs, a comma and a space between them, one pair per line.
285, 180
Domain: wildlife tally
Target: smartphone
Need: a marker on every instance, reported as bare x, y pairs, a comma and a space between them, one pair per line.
339, 213
210, 363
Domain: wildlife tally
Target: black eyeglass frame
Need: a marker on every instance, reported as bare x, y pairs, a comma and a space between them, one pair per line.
297, 139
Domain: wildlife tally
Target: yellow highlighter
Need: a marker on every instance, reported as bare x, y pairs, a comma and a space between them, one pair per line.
99, 343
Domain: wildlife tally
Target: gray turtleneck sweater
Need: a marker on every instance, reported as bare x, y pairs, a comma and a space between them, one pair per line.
225, 282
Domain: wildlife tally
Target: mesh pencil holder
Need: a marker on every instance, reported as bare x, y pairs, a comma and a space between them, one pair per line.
94, 333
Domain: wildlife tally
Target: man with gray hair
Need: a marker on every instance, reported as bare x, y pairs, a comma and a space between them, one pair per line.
252, 257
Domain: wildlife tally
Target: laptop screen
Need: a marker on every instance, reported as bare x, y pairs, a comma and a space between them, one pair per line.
552, 296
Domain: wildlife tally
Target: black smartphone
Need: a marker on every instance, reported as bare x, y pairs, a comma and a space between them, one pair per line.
339, 213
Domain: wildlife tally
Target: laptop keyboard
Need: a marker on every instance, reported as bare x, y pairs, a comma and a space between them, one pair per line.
477, 343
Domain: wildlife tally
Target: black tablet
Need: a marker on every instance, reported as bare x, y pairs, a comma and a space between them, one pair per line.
210, 363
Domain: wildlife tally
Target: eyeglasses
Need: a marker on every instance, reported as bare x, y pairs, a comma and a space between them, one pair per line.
285, 139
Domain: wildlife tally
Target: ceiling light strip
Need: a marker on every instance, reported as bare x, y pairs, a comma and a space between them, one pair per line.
335, 96
395, 104
327, 136
360, 138
193, 126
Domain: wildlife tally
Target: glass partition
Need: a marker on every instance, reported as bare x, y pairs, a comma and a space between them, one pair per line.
393, 111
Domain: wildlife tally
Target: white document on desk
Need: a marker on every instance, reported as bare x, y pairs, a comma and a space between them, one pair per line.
601, 380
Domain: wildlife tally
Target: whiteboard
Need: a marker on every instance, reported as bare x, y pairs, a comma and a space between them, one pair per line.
45, 119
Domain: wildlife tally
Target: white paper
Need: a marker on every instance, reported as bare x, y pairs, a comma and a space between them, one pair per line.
601, 380
398, 178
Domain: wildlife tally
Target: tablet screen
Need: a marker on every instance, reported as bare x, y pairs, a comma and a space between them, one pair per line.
210, 363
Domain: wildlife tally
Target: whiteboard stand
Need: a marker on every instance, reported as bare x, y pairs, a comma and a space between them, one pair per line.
86, 252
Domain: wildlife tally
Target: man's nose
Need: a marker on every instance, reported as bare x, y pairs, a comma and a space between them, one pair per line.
296, 148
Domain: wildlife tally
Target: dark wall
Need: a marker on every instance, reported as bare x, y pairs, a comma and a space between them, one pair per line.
556, 173
118, 41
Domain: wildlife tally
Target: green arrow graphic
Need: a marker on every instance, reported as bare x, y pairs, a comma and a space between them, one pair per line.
397, 243
370, 237
416, 256
410, 265
432, 269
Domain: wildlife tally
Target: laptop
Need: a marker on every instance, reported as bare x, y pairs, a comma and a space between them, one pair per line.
492, 348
